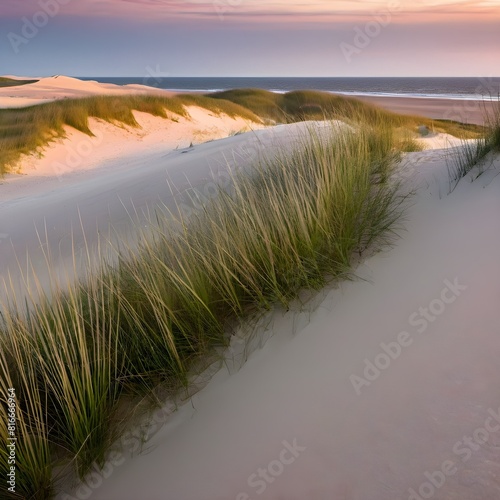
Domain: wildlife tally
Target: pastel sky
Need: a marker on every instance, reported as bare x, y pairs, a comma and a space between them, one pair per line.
250, 37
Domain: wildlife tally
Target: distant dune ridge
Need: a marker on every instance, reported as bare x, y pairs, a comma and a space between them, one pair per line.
62, 87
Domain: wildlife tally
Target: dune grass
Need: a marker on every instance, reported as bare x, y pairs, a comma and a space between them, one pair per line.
80, 355
493, 123
29, 130
10, 82
315, 105
293, 222
33, 454
472, 152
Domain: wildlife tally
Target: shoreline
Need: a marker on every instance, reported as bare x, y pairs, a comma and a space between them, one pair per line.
465, 111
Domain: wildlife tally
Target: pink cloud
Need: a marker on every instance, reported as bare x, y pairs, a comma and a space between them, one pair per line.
263, 10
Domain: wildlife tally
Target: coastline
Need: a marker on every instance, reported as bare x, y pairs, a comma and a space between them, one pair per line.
474, 112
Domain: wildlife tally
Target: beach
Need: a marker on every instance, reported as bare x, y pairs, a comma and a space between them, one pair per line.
378, 385
466, 111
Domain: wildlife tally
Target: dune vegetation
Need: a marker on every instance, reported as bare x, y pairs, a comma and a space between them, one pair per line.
80, 358
29, 130
493, 136
83, 357
11, 82
313, 105
472, 153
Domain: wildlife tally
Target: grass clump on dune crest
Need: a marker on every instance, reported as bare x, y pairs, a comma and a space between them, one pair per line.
494, 128
315, 105
298, 105
27, 130
293, 222
472, 152
11, 82
218, 106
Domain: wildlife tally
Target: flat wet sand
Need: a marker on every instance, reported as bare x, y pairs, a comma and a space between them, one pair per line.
442, 109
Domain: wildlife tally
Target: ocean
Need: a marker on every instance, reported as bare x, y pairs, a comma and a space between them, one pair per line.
438, 88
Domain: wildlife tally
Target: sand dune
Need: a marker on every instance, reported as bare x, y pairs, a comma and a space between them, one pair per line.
120, 172
63, 87
382, 391
78, 151
390, 382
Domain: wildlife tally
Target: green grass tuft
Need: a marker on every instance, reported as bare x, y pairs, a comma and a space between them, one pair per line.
471, 153
493, 122
10, 82
27, 130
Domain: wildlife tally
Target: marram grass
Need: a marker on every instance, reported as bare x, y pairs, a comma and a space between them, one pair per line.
29, 130
471, 153
10, 82
294, 222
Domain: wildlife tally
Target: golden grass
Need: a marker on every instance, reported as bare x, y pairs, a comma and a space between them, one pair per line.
29, 130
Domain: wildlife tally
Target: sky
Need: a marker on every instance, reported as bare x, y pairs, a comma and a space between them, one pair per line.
160, 38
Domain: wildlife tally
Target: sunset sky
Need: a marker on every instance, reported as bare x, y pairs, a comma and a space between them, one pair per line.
250, 37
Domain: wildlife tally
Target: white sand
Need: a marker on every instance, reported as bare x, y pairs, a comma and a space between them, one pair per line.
79, 152
55, 187
414, 418
102, 182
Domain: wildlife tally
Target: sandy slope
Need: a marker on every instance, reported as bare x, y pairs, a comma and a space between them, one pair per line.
121, 174
92, 182
80, 152
309, 416
295, 423
62, 87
